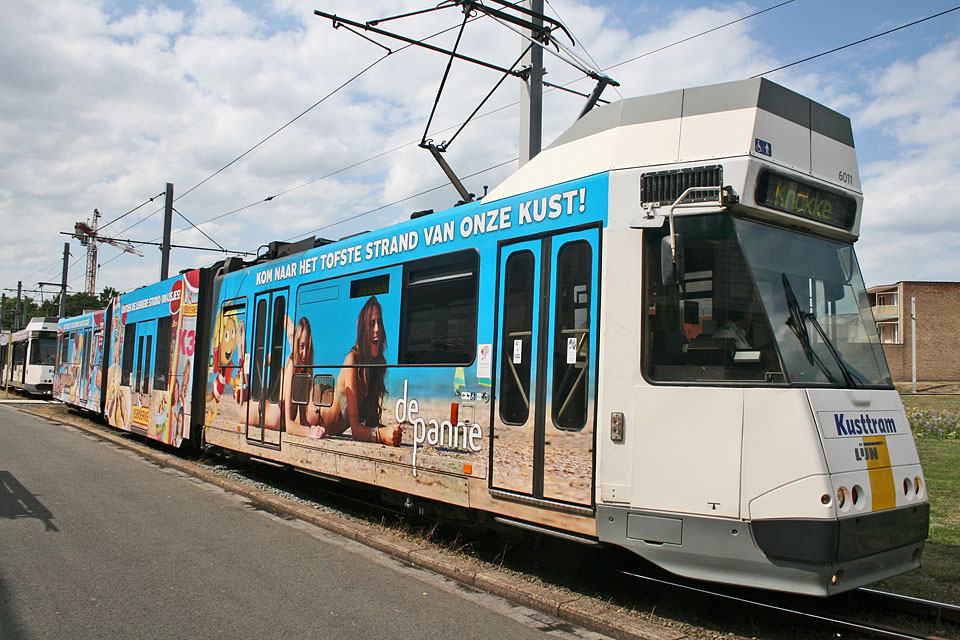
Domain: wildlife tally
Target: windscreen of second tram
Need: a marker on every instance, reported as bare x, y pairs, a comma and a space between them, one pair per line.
759, 305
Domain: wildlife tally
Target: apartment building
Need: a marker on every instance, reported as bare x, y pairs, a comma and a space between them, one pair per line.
938, 329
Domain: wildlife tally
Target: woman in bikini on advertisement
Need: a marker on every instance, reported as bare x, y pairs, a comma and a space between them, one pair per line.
360, 387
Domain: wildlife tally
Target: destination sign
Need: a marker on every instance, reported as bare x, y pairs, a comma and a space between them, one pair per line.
802, 199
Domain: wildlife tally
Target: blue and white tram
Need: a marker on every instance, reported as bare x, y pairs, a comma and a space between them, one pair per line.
654, 334
34, 354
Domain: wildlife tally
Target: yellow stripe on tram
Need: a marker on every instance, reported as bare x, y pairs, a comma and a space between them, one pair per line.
881, 475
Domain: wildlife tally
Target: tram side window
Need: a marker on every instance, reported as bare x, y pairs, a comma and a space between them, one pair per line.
277, 337
141, 367
256, 384
161, 360
571, 355
126, 367
145, 381
20, 352
438, 317
517, 339
64, 347
713, 327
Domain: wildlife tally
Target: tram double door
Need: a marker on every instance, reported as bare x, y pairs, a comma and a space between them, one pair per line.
84, 358
264, 410
139, 371
544, 411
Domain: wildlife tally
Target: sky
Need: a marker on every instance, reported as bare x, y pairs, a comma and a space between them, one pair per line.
104, 103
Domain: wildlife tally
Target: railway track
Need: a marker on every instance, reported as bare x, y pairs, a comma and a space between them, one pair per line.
823, 612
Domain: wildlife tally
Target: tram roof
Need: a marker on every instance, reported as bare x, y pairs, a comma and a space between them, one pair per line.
715, 98
693, 125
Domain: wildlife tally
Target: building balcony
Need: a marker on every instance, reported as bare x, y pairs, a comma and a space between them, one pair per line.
886, 312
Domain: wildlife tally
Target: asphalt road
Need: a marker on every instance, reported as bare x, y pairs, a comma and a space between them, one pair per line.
96, 542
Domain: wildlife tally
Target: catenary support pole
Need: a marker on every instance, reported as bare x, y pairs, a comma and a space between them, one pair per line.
531, 93
167, 222
16, 318
63, 280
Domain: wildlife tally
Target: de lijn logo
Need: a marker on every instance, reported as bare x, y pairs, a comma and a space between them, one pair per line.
867, 451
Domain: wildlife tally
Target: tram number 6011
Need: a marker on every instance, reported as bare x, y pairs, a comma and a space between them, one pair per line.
845, 177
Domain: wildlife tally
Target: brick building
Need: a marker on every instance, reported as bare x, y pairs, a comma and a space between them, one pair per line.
938, 332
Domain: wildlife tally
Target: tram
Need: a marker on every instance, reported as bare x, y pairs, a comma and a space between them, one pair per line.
29, 366
653, 335
80, 353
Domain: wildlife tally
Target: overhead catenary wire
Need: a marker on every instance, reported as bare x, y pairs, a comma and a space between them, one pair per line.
396, 202
124, 215
856, 42
300, 115
205, 235
287, 124
697, 35
261, 142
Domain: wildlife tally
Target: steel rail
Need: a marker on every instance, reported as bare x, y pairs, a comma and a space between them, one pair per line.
875, 631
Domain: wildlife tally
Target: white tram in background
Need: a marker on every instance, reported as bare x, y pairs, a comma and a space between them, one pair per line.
654, 335
30, 365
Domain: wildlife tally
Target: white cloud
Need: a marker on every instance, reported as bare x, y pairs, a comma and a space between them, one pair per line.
912, 196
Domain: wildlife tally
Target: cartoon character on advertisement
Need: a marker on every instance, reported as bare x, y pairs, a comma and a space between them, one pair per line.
227, 335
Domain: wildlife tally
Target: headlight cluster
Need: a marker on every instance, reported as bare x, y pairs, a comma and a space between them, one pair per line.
913, 489
852, 498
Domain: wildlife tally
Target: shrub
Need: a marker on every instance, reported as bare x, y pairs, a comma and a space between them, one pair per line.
927, 423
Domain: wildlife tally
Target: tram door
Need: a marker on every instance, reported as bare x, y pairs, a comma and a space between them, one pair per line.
266, 362
142, 374
82, 356
543, 426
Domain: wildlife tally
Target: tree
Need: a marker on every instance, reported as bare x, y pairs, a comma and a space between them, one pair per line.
28, 309
108, 294
77, 303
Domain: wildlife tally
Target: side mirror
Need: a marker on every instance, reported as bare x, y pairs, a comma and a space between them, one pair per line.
323, 385
671, 262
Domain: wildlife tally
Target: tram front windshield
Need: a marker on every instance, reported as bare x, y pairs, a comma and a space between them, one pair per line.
759, 304
44, 352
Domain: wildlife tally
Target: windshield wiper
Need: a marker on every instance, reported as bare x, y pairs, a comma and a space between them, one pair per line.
849, 377
797, 322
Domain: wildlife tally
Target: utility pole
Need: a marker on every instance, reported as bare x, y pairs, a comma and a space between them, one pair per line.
531, 95
167, 222
63, 280
16, 318
913, 339
3, 310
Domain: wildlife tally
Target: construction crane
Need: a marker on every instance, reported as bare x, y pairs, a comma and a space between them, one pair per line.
86, 233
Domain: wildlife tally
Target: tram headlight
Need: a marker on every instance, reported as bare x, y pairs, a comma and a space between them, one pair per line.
918, 486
